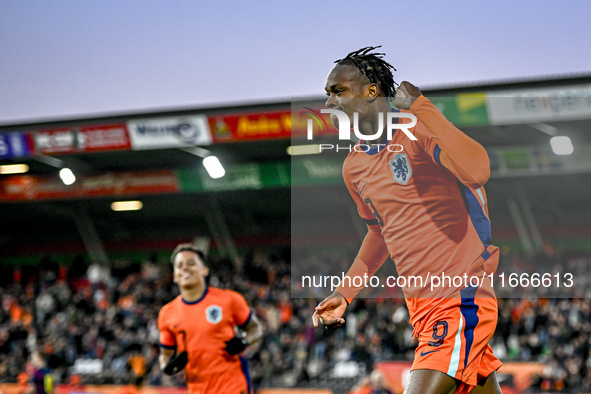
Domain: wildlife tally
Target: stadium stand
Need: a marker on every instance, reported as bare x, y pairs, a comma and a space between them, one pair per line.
112, 322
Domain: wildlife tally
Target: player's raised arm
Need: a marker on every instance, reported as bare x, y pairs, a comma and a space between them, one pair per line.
460, 154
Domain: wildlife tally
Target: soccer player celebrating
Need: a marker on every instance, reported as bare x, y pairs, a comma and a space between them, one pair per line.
200, 324
425, 207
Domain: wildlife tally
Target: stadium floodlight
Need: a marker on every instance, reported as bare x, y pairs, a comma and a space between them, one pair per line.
134, 205
296, 150
214, 167
561, 145
14, 169
67, 176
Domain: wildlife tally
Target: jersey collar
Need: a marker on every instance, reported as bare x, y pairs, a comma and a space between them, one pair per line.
197, 300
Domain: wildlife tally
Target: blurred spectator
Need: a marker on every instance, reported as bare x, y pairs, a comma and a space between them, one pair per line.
372, 384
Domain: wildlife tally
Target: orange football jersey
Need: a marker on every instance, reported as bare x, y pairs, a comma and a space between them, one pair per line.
427, 198
202, 328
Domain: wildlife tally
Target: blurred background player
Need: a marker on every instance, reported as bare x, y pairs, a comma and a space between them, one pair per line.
137, 365
43, 382
200, 324
425, 207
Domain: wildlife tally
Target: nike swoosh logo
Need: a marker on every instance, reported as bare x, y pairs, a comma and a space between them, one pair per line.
425, 353
363, 188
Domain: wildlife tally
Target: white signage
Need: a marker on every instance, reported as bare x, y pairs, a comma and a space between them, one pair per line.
539, 105
170, 132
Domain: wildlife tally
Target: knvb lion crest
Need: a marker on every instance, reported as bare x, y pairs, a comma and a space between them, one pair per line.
401, 169
213, 314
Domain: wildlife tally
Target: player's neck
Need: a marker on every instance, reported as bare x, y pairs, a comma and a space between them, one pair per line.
194, 293
370, 126
383, 140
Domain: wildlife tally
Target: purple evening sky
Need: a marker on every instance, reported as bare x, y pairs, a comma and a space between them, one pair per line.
73, 58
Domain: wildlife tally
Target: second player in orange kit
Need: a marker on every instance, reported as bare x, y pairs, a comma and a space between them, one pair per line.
200, 325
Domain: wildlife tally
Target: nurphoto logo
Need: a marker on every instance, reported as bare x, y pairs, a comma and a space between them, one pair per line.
391, 120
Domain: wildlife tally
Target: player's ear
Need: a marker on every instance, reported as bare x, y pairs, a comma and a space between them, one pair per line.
373, 90
204, 270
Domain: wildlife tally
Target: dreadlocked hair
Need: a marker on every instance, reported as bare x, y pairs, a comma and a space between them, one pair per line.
374, 67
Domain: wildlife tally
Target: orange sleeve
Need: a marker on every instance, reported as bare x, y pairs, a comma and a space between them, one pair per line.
460, 154
240, 310
372, 254
167, 339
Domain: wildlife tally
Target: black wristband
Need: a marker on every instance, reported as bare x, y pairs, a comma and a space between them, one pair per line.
176, 364
236, 345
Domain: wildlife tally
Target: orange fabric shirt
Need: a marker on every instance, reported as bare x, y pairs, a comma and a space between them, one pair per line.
202, 328
138, 365
427, 198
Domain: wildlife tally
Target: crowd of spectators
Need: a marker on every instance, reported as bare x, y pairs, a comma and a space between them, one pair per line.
100, 323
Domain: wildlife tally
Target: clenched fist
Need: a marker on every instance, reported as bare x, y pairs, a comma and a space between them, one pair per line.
406, 94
